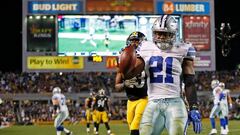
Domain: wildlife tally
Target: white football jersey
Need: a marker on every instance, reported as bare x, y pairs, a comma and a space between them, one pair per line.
226, 92
62, 101
216, 93
164, 68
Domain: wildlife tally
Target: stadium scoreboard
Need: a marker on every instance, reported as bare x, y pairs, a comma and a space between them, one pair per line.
74, 36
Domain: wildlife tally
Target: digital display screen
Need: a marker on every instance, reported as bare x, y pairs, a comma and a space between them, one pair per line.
41, 33
99, 35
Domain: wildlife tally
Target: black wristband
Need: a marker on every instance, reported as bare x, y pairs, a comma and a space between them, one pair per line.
190, 91
55, 107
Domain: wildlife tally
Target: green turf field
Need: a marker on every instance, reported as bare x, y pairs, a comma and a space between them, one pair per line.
73, 41
118, 129
75, 45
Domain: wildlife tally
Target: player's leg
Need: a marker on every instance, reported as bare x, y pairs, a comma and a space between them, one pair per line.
88, 120
223, 124
105, 121
139, 109
222, 115
225, 112
152, 123
176, 116
96, 121
212, 115
58, 123
130, 112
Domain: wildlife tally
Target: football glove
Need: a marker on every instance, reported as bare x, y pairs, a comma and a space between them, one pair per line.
194, 117
230, 106
109, 115
130, 83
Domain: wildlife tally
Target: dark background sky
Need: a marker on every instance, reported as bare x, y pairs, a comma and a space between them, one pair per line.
11, 40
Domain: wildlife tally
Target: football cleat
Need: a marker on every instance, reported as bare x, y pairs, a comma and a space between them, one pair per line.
70, 133
213, 132
224, 132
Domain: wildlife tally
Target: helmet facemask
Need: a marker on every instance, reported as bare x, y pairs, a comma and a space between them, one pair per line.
164, 31
164, 40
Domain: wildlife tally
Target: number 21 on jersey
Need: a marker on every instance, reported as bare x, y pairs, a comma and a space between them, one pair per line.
158, 65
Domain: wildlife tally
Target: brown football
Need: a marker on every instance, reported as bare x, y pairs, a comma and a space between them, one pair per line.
127, 59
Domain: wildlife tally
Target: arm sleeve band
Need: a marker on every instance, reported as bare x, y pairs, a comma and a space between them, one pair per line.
191, 93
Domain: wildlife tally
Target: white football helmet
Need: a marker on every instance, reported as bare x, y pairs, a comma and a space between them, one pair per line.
164, 31
214, 83
222, 85
56, 90
101, 92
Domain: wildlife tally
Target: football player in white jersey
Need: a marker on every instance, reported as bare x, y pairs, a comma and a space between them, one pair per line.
60, 111
225, 104
216, 110
165, 61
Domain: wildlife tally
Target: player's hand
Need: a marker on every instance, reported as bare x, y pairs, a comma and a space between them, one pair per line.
230, 106
131, 82
109, 115
194, 117
54, 115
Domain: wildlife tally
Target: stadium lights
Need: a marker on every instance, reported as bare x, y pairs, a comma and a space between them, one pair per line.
225, 36
38, 17
51, 17
44, 17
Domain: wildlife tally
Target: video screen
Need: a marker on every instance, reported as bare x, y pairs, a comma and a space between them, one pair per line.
102, 35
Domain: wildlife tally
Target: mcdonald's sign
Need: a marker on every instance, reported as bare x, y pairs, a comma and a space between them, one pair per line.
111, 62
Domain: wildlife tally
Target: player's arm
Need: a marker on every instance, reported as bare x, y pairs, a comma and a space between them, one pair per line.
119, 84
93, 103
86, 103
194, 115
229, 100
188, 78
55, 103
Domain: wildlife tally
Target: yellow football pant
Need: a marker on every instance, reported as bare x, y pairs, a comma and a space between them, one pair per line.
135, 111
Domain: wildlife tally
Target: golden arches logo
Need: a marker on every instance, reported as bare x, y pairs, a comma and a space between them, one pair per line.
168, 7
111, 62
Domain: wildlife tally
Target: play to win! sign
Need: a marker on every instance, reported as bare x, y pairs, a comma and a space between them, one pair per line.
55, 62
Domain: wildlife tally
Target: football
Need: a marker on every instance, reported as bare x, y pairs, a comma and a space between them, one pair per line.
127, 59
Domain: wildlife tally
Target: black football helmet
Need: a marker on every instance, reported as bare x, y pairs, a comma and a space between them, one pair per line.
135, 36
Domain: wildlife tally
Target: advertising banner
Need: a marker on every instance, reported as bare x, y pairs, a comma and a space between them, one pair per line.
41, 33
169, 7
55, 62
202, 62
55, 7
196, 29
119, 6
111, 62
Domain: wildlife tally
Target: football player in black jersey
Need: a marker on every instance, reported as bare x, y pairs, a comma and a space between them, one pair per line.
88, 104
101, 107
136, 90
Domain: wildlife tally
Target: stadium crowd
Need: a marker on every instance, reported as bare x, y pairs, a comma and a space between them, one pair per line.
34, 111
83, 82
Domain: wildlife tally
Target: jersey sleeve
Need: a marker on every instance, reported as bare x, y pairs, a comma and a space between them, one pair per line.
191, 52
54, 97
142, 49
